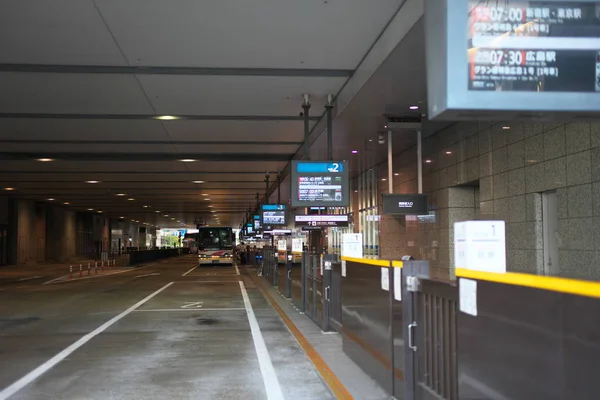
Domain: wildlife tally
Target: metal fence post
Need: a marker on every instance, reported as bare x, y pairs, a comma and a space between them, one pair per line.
303, 280
288, 281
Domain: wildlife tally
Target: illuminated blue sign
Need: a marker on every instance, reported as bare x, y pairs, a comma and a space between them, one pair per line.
317, 167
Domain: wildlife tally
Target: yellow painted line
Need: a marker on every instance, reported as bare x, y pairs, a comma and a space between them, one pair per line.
397, 264
338, 389
377, 263
562, 285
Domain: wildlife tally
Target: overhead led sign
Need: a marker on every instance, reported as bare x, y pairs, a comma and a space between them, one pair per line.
319, 184
512, 59
321, 221
273, 215
404, 204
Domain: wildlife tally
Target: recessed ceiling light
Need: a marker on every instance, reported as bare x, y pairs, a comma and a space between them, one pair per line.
384, 179
66, 203
45, 159
210, 206
428, 161
121, 217
121, 194
448, 152
130, 199
172, 219
414, 107
144, 206
213, 211
197, 181
166, 215
9, 189
396, 174
206, 199
354, 151
506, 127
187, 160
166, 117
356, 191
50, 199
158, 212
90, 209
99, 212
92, 182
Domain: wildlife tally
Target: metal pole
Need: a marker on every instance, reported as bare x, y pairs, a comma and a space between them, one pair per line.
306, 108
329, 108
267, 189
278, 188
390, 166
419, 162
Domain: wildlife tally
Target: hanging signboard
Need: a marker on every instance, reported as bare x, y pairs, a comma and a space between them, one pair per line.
273, 215
404, 204
319, 184
321, 221
504, 60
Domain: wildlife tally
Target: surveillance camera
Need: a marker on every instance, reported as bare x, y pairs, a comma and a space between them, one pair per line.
301, 114
381, 139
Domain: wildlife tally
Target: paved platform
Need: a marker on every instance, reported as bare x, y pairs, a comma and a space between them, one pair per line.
171, 332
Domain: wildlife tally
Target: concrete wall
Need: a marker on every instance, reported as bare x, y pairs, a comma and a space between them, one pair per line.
26, 232
480, 170
61, 231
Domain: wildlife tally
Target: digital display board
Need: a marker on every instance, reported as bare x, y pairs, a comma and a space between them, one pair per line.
512, 59
534, 46
321, 221
404, 204
273, 214
319, 183
257, 224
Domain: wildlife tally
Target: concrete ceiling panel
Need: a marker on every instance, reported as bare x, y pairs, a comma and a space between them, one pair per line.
55, 32
71, 94
236, 130
237, 95
238, 33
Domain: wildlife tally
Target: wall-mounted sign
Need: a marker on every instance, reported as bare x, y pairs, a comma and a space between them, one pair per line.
404, 204
273, 215
321, 221
518, 59
319, 183
297, 245
352, 245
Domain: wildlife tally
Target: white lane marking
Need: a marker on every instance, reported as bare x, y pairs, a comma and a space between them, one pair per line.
191, 309
102, 275
143, 276
185, 274
29, 278
237, 271
192, 304
272, 386
36, 373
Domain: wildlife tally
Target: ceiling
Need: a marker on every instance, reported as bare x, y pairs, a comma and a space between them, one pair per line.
89, 84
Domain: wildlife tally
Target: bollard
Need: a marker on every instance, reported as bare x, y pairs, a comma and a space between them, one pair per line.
114, 263
71, 272
96, 269
102, 266
89, 270
80, 271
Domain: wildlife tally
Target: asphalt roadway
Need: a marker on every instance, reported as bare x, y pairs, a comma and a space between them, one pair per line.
164, 331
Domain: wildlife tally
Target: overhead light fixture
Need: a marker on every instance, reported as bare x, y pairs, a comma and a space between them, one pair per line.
414, 107
172, 219
158, 212
166, 215
9, 189
121, 194
167, 117
50, 199
66, 203
187, 160
210, 206
428, 161
130, 199
198, 181
144, 206
384, 179
354, 151
92, 182
396, 174
90, 209
121, 217
448, 152
44, 159
506, 127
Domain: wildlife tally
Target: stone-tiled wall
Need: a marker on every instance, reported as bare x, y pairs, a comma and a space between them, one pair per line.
480, 170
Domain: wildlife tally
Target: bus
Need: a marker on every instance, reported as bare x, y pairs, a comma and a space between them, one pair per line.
214, 245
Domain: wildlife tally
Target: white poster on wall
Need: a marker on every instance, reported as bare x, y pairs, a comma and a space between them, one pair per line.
297, 246
397, 284
467, 289
282, 245
385, 278
343, 268
352, 245
480, 246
